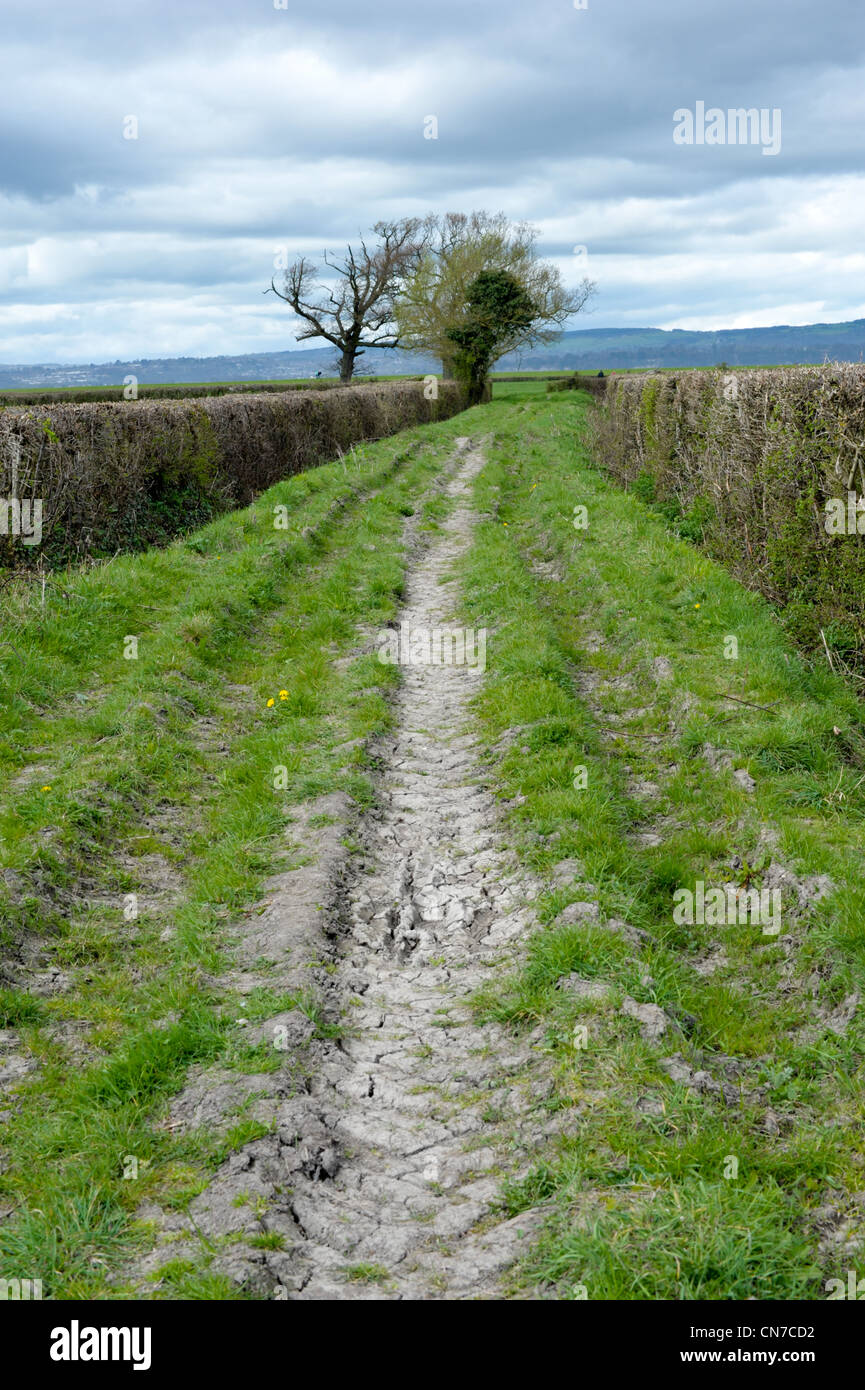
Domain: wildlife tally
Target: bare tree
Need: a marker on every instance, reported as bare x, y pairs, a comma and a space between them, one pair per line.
357, 311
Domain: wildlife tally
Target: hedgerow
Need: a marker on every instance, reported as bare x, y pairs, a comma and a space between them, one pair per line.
124, 475
765, 469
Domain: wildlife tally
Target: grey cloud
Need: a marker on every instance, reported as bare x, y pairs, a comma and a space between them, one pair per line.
261, 126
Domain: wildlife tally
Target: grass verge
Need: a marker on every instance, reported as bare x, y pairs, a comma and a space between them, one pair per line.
708, 1075
139, 816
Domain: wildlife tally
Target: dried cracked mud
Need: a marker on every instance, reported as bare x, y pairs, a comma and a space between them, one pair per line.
388, 1145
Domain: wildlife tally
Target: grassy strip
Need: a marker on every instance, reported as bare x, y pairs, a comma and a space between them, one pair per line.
661, 1189
172, 774
64, 646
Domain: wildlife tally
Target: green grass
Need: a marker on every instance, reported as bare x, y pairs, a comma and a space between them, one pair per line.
156, 778
506, 392
366, 1274
639, 1205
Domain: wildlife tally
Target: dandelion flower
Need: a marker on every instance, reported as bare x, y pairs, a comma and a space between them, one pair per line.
271, 702
283, 694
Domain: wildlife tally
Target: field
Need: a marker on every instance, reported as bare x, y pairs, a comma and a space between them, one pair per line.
26, 394
291, 932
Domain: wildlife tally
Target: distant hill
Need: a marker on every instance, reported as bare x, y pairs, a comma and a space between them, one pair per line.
252, 366
660, 347
586, 348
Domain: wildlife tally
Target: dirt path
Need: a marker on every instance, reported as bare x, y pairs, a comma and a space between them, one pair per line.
381, 1175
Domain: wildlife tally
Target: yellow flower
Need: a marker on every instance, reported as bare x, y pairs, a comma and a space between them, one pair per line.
46, 789
696, 605
283, 694
270, 703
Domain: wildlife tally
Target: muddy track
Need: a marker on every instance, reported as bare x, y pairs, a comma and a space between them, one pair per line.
382, 1172
28, 963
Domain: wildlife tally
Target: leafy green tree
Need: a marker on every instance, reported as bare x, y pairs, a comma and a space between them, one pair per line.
498, 310
454, 250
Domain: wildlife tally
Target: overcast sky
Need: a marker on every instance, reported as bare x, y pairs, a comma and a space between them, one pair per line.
261, 127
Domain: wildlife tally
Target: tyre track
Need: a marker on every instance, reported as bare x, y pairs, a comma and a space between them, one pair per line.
380, 1177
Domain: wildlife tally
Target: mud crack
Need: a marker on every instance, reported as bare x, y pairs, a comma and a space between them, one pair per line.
380, 1181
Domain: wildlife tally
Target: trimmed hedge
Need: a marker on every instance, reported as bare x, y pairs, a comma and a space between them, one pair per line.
60, 395
121, 476
581, 381
754, 466
507, 377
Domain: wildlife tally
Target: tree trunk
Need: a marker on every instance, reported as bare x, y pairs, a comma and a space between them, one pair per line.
346, 365
478, 391
478, 386
448, 373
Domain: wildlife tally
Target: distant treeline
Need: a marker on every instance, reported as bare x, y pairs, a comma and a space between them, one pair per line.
581, 381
